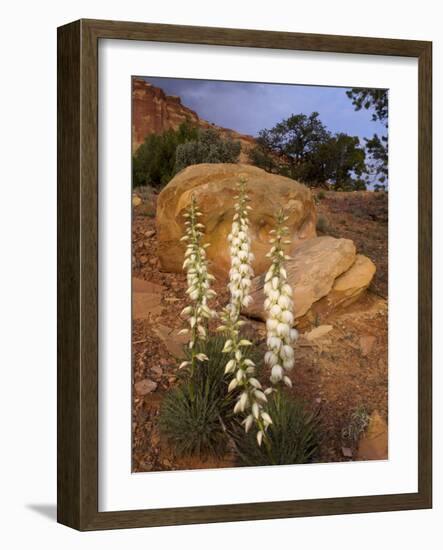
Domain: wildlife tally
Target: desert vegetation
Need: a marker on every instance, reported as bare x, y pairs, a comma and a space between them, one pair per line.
161, 156
219, 390
302, 148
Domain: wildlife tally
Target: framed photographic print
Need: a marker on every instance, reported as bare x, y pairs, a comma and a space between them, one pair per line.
244, 275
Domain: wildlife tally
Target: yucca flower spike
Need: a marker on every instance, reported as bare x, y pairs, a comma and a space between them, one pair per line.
241, 272
199, 281
251, 400
278, 304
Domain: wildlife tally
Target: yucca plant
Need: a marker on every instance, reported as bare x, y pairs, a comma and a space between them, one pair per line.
251, 396
193, 414
190, 419
292, 438
219, 394
196, 416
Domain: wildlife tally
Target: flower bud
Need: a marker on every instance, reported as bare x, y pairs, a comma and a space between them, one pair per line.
259, 438
276, 373
248, 421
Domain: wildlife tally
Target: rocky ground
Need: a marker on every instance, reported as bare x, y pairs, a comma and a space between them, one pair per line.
341, 365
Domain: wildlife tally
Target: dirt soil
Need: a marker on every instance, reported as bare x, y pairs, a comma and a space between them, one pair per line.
341, 372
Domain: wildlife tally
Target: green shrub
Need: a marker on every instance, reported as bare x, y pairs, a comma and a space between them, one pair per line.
154, 161
322, 224
261, 157
208, 147
293, 435
357, 424
161, 156
191, 418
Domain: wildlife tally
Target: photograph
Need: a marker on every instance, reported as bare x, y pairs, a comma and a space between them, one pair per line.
259, 274
220, 284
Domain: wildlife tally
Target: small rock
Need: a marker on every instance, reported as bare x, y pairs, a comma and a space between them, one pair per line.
145, 386
150, 233
173, 341
347, 452
136, 201
374, 443
318, 332
366, 344
157, 372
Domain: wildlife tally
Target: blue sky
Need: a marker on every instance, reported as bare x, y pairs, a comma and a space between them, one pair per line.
249, 107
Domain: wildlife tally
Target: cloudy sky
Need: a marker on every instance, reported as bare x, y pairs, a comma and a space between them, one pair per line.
249, 107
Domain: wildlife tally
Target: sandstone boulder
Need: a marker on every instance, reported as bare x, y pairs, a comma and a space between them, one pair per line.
214, 186
312, 271
348, 287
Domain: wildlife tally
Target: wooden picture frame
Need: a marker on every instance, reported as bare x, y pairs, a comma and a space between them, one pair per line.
78, 274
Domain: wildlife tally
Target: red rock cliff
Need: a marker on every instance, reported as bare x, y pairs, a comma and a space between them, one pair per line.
154, 112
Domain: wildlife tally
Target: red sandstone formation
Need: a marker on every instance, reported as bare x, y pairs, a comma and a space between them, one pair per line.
155, 112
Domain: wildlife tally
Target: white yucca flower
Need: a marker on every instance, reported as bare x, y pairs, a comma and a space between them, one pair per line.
281, 335
251, 400
199, 282
241, 272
